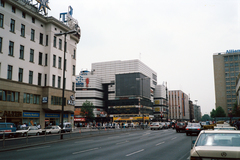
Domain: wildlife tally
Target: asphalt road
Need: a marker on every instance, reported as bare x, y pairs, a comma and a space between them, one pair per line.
144, 144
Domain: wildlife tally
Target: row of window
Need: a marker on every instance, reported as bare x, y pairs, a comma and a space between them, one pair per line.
231, 58
9, 96
30, 77
32, 37
232, 87
31, 98
231, 74
231, 69
57, 100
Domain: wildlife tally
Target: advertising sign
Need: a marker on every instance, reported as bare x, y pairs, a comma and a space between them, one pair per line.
29, 114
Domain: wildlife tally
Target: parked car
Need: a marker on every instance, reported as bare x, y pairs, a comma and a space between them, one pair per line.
180, 126
30, 130
51, 129
164, 124
67, 127
193, 128
9, 129
216, 144
156, 125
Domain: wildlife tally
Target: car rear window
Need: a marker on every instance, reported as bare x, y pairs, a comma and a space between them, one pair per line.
180, 124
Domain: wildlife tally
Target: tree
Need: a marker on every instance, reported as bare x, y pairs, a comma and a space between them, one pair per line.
236, 111
205, 117
87, 110
213, 113
220, 112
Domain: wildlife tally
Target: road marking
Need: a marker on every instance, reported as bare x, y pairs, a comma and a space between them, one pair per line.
86, 150
122, 142
113, 137
160, 143
31, 148
84, 141
135, 152
173, 138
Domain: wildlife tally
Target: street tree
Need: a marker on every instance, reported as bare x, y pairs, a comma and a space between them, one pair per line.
236, 110
220, 112
87, 110
213, 113
206, 117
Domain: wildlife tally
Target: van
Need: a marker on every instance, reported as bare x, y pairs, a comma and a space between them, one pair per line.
8, 128
67, 127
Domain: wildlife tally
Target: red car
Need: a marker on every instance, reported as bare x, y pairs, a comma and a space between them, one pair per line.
180, 126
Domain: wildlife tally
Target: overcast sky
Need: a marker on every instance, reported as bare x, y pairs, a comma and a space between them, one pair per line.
175, 38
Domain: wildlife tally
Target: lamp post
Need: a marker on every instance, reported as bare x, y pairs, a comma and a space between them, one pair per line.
141, 79
64, 68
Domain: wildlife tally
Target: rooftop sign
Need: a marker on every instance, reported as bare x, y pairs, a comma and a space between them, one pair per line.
232, 51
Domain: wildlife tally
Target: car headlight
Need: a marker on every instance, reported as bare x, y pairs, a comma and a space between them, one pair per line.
196, 158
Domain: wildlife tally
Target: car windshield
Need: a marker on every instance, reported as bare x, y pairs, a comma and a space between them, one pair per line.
224, 128
194, 125
219, 139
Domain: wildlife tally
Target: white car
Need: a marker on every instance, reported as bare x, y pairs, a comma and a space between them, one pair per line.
216, 144
30, 130
51, 129
156, 125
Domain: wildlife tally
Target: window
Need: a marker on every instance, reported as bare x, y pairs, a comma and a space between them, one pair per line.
41, 39
59, 82
20, 75
39, 79
11, 46
54, 60
53, 81
1, 20
31, 55
0, 44
73, 73
33, 20
74, 54
23, 15
54, 41
32, 34
9, 96
60, 44
21, 54
9, 75
22, 30
57, 100
45, 80
12, 25
40, 58
30, 78
73, 86
46, 40
31, 98
59, 62
13, 9
2, 3
46, 59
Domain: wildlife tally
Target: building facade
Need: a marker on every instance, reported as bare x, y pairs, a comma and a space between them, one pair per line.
31, 66
197, 113
118, 87
226, 70
178, 105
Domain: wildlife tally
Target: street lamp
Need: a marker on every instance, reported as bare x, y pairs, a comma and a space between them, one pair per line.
141, 79
64, 68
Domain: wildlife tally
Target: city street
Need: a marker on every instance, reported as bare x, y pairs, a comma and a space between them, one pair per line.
144, 144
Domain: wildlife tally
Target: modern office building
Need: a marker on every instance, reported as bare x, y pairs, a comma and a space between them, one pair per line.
31, 65
197, 112
118, 88
178, 105
226, 70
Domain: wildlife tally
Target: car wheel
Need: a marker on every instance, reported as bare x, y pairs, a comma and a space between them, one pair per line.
49, 132
24, 134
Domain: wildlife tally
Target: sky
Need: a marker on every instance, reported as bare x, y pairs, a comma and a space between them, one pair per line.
177, 39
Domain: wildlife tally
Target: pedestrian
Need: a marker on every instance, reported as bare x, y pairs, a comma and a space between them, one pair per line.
39, 126
23, 125
238, 124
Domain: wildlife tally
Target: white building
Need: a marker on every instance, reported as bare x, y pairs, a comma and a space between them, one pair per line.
178, 105
103, 92
31, 65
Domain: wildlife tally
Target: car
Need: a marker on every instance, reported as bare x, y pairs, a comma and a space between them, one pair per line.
29, 130
164, 125
193, 128
224, 126
67, 127
51, 129
168, 124
216, 144
180, 126
156, 125
9, 129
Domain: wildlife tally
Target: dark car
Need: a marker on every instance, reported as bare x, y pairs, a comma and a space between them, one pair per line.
193, 128
180, 126
9, 129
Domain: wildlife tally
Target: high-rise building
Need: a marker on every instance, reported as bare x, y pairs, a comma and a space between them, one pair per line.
178, 105
31, 65
226, 70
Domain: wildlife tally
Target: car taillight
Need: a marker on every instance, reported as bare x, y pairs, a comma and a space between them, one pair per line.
187, 129
198, 129
151, 125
